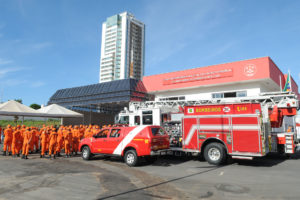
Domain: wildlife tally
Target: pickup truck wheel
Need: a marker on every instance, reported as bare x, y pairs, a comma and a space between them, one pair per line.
215, 153
86, 153
131, 158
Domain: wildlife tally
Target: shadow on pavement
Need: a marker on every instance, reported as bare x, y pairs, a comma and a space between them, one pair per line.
161, 183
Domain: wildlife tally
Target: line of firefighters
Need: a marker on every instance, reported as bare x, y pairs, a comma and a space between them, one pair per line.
48, 139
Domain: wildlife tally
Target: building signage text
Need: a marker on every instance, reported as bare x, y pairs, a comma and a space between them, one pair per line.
199, 77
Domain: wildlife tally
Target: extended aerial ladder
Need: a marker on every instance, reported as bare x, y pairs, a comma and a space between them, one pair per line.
271, 98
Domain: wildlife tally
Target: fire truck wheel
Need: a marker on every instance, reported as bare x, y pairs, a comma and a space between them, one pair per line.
131, 158
86, 153
215, 153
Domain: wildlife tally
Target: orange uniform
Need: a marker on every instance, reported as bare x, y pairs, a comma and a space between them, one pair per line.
81, 130
76, 139
67, 139
26, 142
16, 139
34, 141
59, 141
7, 140
52, 142
44, 140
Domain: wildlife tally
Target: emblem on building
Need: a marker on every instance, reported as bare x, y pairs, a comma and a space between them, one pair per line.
250, 70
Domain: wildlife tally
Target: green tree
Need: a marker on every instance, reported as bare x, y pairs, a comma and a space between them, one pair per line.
35, 106
19, 100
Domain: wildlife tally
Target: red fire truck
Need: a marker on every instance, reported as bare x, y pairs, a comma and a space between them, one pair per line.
248, 128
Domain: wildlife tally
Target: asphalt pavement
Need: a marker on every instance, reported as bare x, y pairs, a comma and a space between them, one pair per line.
273, 177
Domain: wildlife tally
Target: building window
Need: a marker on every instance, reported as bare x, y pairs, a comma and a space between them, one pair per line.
241, 93
217, 95
229, 94
181, 98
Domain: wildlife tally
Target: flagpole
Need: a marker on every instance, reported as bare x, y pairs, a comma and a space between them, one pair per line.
280, 83
290, 81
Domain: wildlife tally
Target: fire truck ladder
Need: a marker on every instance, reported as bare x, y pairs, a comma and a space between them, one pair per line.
271, 98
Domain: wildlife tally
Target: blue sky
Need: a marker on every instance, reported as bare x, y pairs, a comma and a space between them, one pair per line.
53, 44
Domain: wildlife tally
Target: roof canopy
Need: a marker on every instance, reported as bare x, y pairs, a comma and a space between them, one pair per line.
13, 108
55, 110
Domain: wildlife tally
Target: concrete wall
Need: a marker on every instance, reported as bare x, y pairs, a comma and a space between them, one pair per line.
90, 118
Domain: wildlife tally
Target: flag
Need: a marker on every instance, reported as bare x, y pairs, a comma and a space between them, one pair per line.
287, 86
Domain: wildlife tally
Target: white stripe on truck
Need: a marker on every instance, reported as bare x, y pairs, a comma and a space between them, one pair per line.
217, 127
127, 139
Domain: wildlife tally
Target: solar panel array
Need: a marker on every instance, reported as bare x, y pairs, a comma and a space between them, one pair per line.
109, 92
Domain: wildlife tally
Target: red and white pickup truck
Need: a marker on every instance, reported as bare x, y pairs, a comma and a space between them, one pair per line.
129, 142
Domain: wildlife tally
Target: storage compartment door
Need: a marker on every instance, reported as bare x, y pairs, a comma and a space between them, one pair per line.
246, 134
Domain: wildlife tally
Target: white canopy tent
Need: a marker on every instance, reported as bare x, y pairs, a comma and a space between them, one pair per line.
14, 108
57, 111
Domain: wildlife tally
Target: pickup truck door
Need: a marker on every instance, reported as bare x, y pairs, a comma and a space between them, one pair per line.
99, 142
114, 139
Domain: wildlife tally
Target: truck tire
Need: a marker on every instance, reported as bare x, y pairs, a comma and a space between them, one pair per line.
86, 153
215, 153
131, 158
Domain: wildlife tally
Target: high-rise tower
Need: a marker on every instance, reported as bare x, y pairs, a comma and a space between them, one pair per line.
122, 48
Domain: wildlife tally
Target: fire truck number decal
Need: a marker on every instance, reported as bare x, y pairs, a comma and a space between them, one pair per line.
127, 139
220, 128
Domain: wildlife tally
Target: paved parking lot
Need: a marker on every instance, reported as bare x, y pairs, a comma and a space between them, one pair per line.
274, 177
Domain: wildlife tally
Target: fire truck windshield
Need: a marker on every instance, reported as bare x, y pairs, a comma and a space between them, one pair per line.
123, 120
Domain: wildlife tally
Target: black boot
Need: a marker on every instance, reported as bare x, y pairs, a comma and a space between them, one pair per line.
23, 156
54, 157
4, 153
50, 157
26, 157
18, 155
41, 156
9, 153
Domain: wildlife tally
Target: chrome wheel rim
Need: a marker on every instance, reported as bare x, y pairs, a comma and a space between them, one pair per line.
85, 153
214, 154
130, 158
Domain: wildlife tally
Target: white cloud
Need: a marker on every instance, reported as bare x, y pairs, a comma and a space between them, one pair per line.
13, 82
5, 71
5, 62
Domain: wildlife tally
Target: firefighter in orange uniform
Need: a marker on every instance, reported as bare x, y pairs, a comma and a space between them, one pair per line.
81, 130
67, 139
76, 139
16, 138
52, 143
26, 143
88, 131
44, 138
7, 140
60, 140
34, 142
